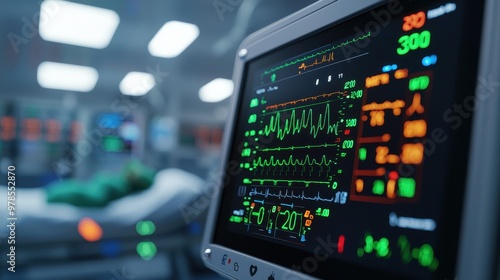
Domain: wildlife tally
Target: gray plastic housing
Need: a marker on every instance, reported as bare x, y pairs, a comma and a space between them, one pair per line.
478, 236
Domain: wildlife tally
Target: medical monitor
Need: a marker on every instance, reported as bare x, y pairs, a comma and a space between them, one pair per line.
348, 145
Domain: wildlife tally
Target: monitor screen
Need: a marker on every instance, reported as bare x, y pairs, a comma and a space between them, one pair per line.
344, 140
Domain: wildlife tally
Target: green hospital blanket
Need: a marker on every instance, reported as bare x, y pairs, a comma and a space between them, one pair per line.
102, 188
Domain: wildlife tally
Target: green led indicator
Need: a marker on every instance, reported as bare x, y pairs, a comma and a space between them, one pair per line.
425, 255
362, 154
247, 181
254, 102
236, 219
112, 144
247, 133
368, 244
145, 228
406, 187
247, 165
360, 252
382, 247
252, 118
246, 152
419, 83
252, 132
246, 203
273, 78
147, 250
378, 187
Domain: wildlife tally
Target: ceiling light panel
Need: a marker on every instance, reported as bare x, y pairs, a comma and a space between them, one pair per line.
216, 90
137, 83
77, 24
63, 76
173, 38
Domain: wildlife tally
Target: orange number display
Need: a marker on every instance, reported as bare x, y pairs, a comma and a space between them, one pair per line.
414, 21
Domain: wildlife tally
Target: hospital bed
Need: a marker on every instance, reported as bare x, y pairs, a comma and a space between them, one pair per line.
47, 233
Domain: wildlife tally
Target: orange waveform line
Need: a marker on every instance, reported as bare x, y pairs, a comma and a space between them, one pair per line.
375, 173
375, 139
324, 59
311, 98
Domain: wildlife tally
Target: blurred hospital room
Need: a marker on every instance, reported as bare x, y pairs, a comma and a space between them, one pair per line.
112, 115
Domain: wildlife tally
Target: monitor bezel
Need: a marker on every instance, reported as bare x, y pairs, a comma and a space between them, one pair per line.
290, 29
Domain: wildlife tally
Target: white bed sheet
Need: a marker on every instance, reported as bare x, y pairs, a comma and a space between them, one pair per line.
42, 222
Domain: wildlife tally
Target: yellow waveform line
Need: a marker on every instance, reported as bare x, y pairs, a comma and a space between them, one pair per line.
311, 98
324, 59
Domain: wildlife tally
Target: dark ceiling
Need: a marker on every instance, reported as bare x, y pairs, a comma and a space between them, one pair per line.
222, 23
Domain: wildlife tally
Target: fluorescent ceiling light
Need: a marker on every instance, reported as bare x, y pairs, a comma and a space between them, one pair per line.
137, 83
173, 38
77, 24
216, 90
66, 76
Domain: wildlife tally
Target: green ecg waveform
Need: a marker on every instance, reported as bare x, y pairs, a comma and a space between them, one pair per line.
291, 161
290, 182
295, 124
302, 59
